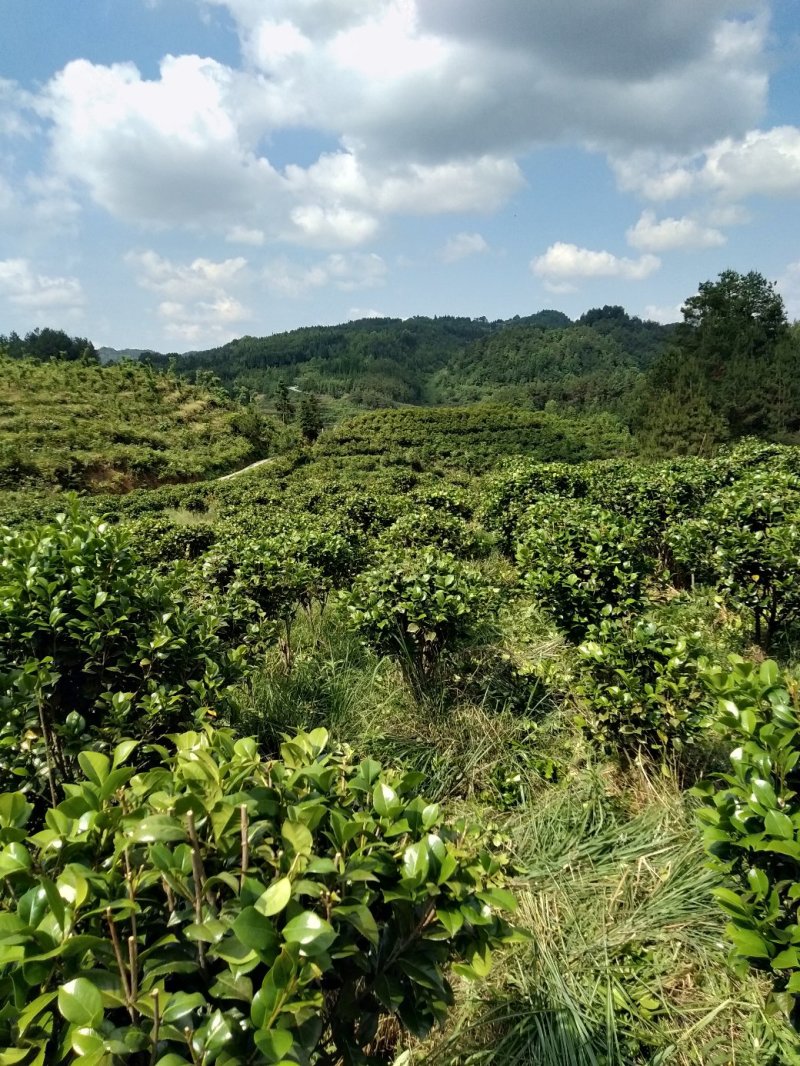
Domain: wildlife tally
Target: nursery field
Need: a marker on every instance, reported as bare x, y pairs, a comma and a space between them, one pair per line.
521, 787
114, 428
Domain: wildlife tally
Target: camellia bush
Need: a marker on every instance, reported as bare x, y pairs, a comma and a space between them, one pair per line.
582, 562
510, 494
422, 526
419, 606
641, 689
223, 909
747, 542
751, 820
92, 641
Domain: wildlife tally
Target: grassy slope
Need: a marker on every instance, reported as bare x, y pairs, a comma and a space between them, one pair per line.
111, 428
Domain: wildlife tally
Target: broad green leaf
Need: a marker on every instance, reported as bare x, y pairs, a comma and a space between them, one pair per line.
298, 837
312, 933
274, 1043
255, 930
95, 766
80, 1003
748, 942
779, 824
157, 828
274, 900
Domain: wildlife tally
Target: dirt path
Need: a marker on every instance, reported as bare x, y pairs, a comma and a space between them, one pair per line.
244, 469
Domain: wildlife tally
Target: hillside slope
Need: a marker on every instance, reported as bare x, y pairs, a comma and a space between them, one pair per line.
113, 428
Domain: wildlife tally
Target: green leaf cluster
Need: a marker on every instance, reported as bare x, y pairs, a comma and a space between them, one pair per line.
582, 561
218, 908
641, 689
91, 641
417, 606
751, 819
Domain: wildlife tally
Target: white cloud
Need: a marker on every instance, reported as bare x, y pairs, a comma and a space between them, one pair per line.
762, 163
355, 313
331, 226
23, 287
664, 315
182, 281
669, 234
196, 302
245, 235
565, 262
431, 82
209, 322
344, 271
789, 288
344, 177
461, 245
167, 152
433, 104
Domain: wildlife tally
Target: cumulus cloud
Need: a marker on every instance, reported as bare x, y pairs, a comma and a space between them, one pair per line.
461, 245
340, 178
201, 277
670, 234
196, 298
245, 235
762, 163
24, 287
439, 81
355, 313
344, 271
326, 225
213, 321
563, 263
432, 104
664, 315
789, 288
167, 152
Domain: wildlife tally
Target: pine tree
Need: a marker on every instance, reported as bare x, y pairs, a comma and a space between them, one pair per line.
284, 405
310, 418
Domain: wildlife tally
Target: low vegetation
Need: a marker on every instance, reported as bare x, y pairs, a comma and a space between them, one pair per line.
452, 736
75, 425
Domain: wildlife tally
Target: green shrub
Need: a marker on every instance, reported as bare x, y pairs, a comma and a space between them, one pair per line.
582, 562
218, 908
160, 539
423, 526
509, 496
90, 641
640, 686
747, 541
419, 606
751, 818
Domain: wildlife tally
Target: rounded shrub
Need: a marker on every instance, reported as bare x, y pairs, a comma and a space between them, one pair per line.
582, 562
418, 606
222, 909
641, 690
92, 640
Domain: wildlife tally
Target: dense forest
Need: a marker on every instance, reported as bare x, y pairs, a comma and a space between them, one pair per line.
457, 731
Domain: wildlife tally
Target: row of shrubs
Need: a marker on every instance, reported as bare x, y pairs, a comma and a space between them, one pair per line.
187, 900
600, 547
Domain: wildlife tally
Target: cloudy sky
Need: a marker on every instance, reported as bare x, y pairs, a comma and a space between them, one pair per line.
174, 173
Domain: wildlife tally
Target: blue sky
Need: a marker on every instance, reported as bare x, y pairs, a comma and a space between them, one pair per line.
175, 173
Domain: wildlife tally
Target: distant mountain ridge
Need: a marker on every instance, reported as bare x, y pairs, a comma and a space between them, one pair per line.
117, 355
383, 362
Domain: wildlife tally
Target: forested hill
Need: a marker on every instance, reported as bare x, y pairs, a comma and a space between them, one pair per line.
381, 362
